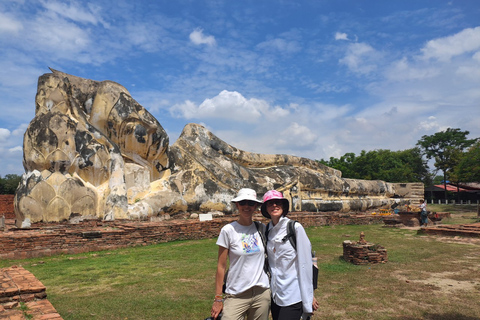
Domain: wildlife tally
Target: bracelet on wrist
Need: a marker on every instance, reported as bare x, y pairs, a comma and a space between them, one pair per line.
218, 300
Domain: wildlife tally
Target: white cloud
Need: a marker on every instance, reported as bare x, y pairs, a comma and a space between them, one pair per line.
361, 58
429, 124
152, 100
433, 84
4, 134
297, 136
187, 110
74, 11
402, 70
228, 105
47, 32
341, 36
9, 24
15, 149
472, 72
326, 112
281, 45
11, 160
59, 31
476, 56
444, 49
143, 36
327, 86
197, 37
20, 130
288, 42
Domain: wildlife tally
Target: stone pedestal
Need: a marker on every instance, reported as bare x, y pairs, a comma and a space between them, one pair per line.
362, 252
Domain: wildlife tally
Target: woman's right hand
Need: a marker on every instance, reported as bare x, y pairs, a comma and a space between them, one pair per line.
219, 278
216, 309
315, 304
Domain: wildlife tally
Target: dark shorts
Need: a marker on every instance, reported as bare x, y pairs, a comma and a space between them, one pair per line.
291, 312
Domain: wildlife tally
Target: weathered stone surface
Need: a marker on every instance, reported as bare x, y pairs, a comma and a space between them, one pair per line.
93, 151
207, 171
77, 146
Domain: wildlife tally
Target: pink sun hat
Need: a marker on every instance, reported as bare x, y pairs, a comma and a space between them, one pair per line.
274, 195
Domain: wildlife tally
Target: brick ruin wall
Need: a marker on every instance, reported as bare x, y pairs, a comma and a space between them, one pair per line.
6, 206
94, 235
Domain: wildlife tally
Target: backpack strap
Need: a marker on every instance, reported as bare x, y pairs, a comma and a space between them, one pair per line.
257, 225
266, 267
291, 235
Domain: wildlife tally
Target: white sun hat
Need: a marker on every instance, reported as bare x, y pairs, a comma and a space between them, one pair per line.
246, 194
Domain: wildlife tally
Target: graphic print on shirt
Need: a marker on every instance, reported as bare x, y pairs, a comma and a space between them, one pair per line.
250, 243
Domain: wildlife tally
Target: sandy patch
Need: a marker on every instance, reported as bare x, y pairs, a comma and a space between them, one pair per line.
443, 281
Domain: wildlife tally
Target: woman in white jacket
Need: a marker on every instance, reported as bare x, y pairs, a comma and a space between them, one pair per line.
291, 269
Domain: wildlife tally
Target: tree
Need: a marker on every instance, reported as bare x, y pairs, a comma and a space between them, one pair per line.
445, 147
468, 168
9, 184
416, 165
386, 165
437, 180
344, 164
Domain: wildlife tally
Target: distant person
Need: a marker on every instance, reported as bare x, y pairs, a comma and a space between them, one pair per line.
423, 213
247, 293
291, 269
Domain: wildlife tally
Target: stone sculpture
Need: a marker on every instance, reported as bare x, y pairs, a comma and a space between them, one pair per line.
93, 152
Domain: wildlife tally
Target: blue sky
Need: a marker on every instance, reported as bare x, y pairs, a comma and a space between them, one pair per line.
309, 78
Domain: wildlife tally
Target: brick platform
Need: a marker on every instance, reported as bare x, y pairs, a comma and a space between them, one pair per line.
463, 230
18, 286
413, 219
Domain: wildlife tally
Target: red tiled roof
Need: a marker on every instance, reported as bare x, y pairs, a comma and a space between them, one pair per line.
451, 188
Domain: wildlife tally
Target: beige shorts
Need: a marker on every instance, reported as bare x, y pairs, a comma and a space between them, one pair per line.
253, 303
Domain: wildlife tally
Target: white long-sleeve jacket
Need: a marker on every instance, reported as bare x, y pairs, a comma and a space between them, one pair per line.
291, 269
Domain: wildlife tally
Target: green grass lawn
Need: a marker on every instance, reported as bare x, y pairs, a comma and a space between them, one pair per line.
426, 277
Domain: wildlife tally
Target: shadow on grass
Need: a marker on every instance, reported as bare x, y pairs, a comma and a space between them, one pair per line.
440, 316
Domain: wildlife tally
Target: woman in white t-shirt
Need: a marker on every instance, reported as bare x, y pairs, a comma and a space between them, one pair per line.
247, 292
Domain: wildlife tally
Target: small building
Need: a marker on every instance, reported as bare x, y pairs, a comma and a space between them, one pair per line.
461, 192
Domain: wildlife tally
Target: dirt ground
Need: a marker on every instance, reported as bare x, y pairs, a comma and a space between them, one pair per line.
445, 281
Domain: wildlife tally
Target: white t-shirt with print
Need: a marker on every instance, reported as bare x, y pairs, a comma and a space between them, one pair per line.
246, 255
